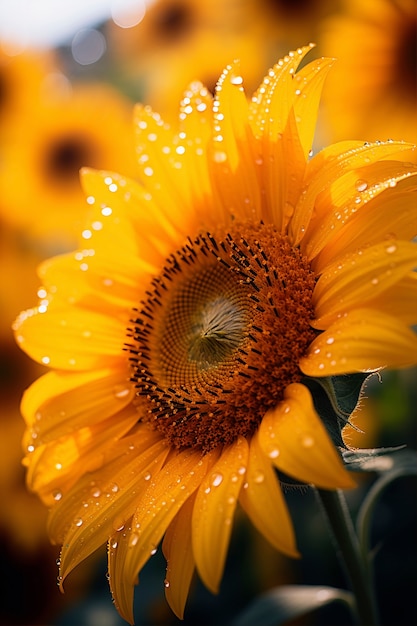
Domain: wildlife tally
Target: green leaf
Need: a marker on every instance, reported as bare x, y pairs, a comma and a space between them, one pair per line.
335, 398
378, 459
289, 602
391, 467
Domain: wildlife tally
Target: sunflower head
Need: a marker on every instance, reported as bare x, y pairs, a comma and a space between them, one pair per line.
211, 334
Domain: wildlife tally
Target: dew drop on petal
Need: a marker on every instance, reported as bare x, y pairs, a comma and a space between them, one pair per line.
259, 477
220, 156
147, 476
166, 583
236, 80
361, 185
391, 248
121, 391
216, 479
134, 538
307, 441
57, 495
78, 521
274, 453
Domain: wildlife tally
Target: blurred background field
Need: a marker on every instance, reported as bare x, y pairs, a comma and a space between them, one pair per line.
68, 81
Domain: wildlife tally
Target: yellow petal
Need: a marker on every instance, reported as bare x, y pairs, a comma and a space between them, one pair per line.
72, 338
101, 502
59, 403
214, 510
323, 171
77, 277
263, 501
178, 551
156, 508
360, 276
293, 436
232, 160
363, 340
164, 156
54, 468
400, 300
374, 223
350, 192
276, 94
117, 203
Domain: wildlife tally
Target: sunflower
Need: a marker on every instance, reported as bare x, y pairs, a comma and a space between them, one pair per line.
373, 88
47, 147
168, 50
22, 77
184, 331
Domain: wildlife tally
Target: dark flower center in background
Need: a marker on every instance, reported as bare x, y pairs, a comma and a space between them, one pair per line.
221, 334
66, 157
173, 21
405, 69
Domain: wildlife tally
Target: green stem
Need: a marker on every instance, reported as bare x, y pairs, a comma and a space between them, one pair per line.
337, 512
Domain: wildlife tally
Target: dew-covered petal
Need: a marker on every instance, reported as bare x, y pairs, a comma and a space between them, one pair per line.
322, 172
214, 510
78, 278
163, 156
59, 403
178, 551
233, 162
360, 276
400, 300
293, 436
373, 223
71, 338
273, 100
349, 193
120, 204
363, 340
262, 499
195, 134
52, 469
155, 509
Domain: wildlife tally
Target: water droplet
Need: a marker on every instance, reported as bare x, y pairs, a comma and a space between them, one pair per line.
330, 340
374, 281
134, 538
45, 360
274, 453
216, 479
147, 476
220, 156
236, 80
78, 521
114, 544
57, 495
258, 477
307, 441
391, 248
166, 583
361, 185
154, 551
114, 488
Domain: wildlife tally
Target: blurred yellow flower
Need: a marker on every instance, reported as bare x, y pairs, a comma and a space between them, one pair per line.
372, 90
22, 78
181, 41
180, 333
88, 124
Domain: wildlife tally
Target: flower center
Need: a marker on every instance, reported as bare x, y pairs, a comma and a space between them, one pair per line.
221, 334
